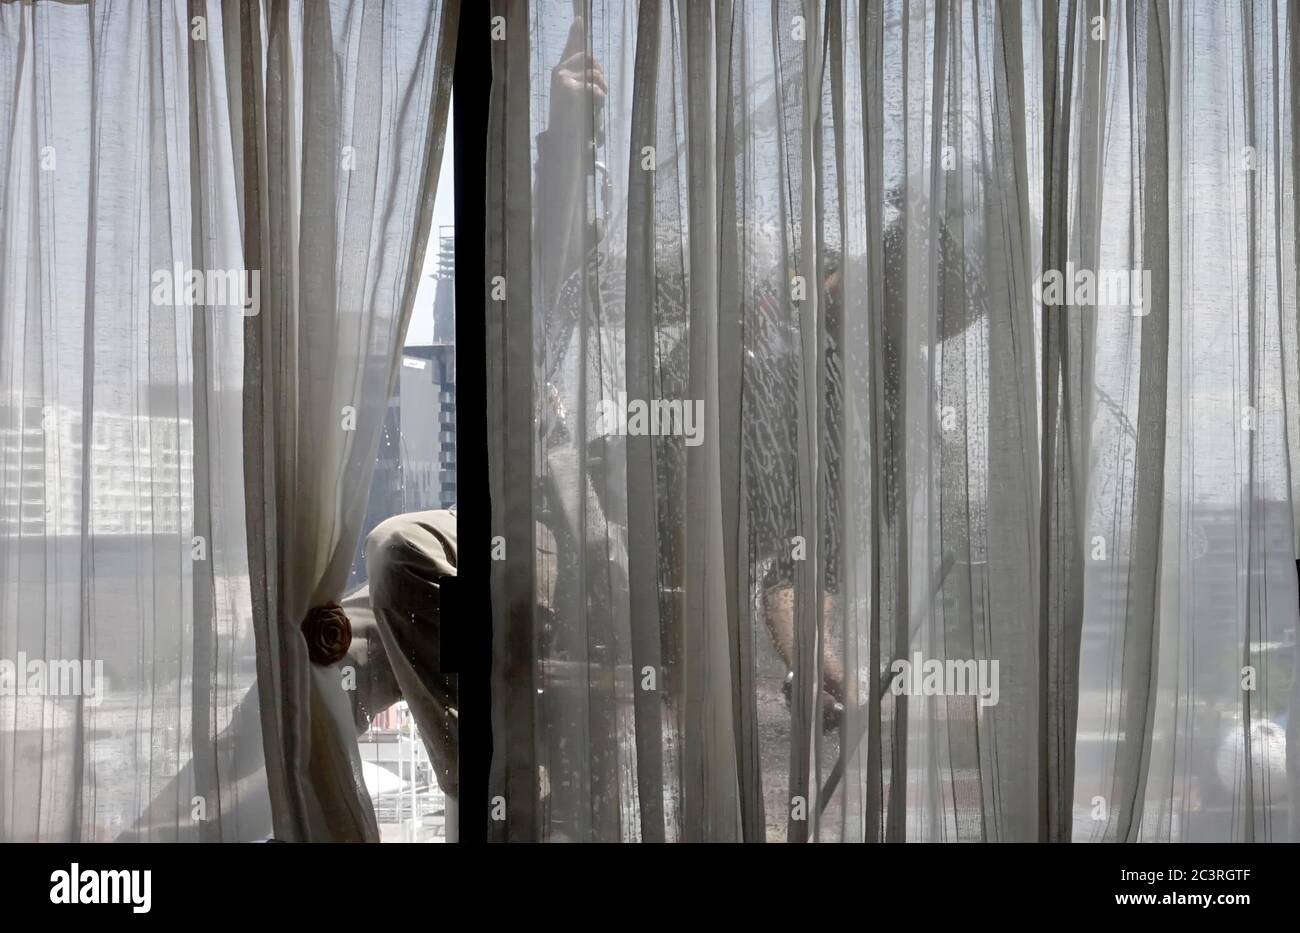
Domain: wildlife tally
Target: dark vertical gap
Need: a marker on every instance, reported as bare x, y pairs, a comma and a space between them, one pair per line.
471, 87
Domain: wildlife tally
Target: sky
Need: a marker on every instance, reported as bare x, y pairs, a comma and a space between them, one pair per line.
421, 327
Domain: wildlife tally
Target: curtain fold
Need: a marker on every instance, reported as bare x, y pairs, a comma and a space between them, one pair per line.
354, 118
125, 636
215, 220
1185, 686
838, 343
512, 444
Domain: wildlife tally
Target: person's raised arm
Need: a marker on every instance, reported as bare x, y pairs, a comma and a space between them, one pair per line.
566, 152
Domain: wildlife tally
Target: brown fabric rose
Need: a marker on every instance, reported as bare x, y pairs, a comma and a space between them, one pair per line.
328, 633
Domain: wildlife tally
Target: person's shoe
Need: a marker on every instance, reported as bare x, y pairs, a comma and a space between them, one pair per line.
832, 709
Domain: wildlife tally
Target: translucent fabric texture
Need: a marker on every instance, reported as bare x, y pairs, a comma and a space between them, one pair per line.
121, 418
827, 336
1187, 695
354, 116
214, 217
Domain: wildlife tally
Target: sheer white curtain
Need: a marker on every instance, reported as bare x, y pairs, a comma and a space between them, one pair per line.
183, 465
122, 541
1181, 162
354, 114
827, 230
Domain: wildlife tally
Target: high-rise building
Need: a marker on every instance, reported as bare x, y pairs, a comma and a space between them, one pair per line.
428, 426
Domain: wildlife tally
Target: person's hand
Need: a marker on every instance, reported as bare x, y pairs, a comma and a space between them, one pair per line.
566, 159
578, 91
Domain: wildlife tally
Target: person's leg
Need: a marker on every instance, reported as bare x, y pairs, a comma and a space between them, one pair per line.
451, 820
406, 559
393, 648
778, 613
375, 684
245, 805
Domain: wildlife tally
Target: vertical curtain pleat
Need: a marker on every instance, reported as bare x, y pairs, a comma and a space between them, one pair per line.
642, 518
354, 117
121, 535
511, 451
710, 806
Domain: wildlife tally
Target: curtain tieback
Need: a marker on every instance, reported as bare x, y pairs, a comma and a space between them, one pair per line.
328, 632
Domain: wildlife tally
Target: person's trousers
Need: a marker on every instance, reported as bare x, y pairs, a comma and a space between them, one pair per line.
396, 647
394, 655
